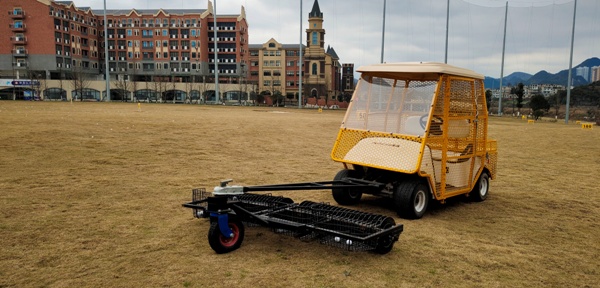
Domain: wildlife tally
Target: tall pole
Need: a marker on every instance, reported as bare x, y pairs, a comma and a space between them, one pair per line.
383, 32
300, 68
217, 95
106, 72
447, 27
570, 81
502, 67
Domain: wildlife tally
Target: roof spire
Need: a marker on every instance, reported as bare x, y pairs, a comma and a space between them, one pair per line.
316, 11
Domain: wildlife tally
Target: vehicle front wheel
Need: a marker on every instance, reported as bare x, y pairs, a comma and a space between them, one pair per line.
411, 199
346, 196
482, 187
221, 243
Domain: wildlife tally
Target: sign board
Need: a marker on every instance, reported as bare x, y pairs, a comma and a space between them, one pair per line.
25, 83
19, 82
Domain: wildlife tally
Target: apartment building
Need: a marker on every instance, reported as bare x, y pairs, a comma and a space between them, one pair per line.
55, 40
275, 68
595, 74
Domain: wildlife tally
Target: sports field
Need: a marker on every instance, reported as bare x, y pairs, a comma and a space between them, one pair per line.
91, 194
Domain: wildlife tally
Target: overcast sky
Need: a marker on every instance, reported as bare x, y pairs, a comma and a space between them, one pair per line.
538, 31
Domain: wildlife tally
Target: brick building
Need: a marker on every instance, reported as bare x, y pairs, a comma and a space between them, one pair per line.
51, 41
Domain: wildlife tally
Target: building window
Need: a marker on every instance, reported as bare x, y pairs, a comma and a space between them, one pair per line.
271, 45
267, 73
314, 38
314, 69
290, 63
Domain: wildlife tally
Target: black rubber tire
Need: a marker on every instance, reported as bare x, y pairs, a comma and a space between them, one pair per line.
346, 196
385, 244
222, 244
482, 188
411, 199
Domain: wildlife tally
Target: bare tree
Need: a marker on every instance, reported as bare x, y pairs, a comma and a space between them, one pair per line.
243, 84
203, 87
172, 87
80, 81
190, 86
34, 77
43, 86
122, 83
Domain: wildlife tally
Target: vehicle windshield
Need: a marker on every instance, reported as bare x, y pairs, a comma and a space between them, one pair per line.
390, 105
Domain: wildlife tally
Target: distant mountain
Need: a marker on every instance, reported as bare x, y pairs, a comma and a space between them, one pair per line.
559, 78
510, 80
542, 77
592, 62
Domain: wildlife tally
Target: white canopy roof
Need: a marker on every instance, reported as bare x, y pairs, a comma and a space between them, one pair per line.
417, 70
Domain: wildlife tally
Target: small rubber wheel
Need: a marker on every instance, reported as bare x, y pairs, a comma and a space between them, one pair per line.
482, 187
386, 243
222, 244
346, 196
411, 199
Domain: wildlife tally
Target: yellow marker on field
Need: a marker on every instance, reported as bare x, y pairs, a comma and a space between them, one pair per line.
320, 109
139, 107
523, 117
577, 122
587, 125
530, 121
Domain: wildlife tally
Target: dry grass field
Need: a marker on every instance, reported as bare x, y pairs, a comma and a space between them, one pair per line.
91, 194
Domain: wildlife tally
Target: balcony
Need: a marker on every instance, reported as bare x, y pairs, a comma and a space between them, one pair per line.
18, 40
17, 27
20, 65
20, 52
16, 14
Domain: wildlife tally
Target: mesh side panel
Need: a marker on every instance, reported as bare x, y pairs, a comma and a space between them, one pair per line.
492, 157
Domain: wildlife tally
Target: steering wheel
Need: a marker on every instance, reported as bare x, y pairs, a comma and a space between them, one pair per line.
423, 121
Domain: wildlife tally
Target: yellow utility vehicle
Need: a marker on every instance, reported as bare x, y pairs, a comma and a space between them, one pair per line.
418, 130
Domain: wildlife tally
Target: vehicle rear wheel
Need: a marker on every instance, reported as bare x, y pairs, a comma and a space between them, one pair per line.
481, 189
346, 196
411, 199
221, 243
386, 243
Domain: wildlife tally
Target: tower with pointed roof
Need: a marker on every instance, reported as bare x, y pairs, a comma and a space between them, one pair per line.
321, 67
